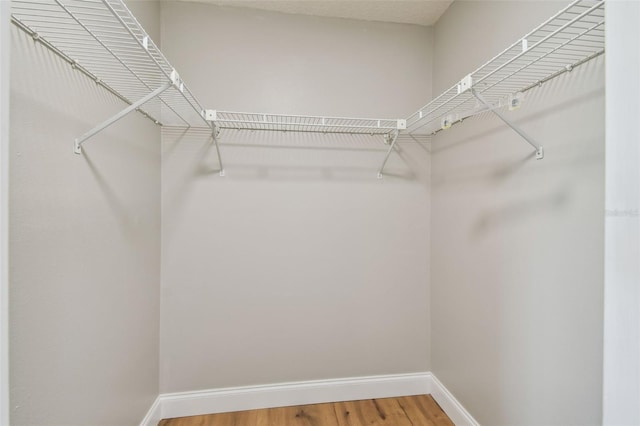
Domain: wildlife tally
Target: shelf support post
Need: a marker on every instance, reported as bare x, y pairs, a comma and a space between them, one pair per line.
393, 137
539, 149
214, 134
79, 141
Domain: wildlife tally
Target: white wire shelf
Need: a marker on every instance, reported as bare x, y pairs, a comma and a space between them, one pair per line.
571, 37
103, 40
300, 123
387, 128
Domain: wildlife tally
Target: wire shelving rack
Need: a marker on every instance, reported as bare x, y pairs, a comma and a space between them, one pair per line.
387, 128
302, 123
570, 38
103, 40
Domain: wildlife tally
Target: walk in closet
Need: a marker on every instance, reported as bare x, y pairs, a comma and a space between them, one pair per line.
217, 206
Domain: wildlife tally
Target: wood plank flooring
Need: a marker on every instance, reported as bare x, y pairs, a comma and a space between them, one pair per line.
419, 410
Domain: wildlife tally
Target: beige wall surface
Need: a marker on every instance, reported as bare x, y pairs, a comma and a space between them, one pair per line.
299, 264
84, 247
517, 244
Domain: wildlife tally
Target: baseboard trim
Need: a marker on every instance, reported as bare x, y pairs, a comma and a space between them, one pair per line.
154, 415
224, 400
296, 393
450, 405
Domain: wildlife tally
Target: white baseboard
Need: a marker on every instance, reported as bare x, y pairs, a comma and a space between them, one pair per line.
154, 415
450, 405
296, 393
310, 392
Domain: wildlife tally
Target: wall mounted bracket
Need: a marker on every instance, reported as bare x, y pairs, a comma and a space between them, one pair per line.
391, 139
539, 149
175, 81
215, 132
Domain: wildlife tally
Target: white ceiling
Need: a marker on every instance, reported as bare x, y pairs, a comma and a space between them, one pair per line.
421, 12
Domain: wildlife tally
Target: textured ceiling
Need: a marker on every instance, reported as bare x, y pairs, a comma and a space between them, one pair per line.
421, 12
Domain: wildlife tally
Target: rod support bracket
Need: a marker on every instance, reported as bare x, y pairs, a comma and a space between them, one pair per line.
390, 139
538, 148
133, 107
215, 133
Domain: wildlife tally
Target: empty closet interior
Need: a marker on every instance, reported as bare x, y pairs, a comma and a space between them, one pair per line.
206, 198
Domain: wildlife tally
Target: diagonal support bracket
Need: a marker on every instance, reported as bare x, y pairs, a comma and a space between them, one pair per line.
215, 132
539, 149
391, 139
79, 141
211, 116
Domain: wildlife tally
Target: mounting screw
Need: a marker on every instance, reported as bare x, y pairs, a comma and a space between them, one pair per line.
515, 100
446, 122
540, 153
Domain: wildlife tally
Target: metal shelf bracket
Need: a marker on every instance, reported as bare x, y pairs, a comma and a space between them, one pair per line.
175, 82
539, 149
391, 139
210, 115
215, 132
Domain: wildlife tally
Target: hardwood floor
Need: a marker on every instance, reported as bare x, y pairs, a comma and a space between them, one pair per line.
419, 410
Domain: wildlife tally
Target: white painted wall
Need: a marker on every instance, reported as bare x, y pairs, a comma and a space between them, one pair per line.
5, 17
622, 225
299, 264
84, 247
517, 244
